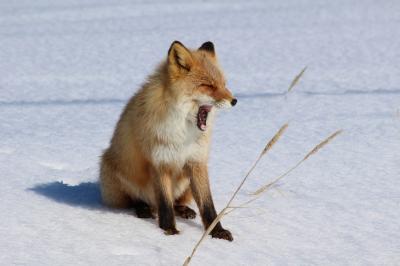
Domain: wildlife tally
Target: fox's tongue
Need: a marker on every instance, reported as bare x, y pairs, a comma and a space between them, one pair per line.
202, 117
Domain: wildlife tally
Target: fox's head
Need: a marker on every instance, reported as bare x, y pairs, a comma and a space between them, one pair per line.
196, 75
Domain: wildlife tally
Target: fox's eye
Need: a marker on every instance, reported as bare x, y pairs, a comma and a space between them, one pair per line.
209, 86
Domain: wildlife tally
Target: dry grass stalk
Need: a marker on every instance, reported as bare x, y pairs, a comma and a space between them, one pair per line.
296, 79
268, 147
322, 144
272, 142
313, 151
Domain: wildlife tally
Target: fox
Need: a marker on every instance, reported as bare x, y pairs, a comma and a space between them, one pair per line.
157, 160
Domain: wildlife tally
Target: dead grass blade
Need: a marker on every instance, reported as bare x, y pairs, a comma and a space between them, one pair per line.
313, 151
296, 79
322, 144
274, 139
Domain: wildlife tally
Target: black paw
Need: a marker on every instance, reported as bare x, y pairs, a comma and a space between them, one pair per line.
145, 213
143, 210
185, 212
222, 234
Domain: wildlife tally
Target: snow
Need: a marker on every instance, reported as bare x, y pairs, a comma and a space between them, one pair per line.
68, 67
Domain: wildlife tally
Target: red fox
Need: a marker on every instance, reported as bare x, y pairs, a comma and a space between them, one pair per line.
157, 158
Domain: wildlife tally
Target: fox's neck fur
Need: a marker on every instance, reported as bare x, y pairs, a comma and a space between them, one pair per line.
166, 122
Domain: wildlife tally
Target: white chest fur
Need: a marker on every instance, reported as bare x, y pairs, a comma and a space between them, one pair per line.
182, 140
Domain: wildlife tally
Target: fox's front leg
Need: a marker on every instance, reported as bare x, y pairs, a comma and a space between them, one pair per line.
165, 204
200, 185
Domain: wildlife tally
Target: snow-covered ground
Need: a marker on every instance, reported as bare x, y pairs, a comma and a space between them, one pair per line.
68, 67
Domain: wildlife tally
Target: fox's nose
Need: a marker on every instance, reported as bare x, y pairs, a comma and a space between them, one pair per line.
233, 102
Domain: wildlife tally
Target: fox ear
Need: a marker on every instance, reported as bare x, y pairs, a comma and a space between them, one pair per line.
179, 56
209, 47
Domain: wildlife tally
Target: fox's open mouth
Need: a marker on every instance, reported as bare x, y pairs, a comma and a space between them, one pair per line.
202, 116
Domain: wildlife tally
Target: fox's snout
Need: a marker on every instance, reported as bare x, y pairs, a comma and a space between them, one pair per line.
234, 102
224, 94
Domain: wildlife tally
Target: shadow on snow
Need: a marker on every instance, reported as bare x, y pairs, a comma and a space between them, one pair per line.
86, 195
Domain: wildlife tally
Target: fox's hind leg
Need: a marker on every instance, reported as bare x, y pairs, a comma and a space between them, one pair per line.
110, 186
142, 209
181, 208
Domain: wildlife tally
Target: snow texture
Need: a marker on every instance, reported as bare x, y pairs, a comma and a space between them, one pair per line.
68, 68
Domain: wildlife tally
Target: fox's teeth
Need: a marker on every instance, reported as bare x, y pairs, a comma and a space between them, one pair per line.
202, 117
